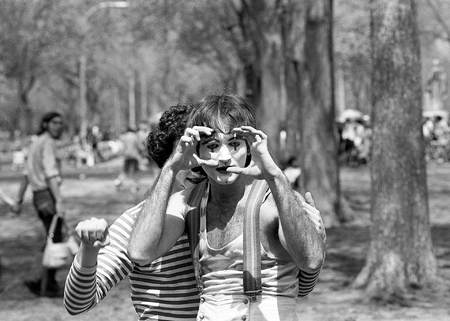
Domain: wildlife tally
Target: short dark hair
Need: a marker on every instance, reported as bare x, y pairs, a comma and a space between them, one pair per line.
171, 126
46, 118
223, 112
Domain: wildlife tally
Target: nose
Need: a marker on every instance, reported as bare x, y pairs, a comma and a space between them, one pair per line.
224, 156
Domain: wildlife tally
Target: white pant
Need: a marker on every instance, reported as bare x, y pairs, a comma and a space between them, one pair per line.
223, 307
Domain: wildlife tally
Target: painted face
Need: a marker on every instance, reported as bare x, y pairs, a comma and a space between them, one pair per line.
229, 150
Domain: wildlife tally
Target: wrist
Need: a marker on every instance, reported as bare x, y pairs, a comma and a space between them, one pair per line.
171, 167
273, 174
87, 256
88, 249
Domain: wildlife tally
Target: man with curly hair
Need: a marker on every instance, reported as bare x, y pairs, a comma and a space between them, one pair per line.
164, 289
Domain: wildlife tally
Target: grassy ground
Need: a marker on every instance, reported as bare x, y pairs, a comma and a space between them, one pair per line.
21, 239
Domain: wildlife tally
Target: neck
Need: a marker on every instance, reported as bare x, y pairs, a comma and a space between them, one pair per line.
230, 193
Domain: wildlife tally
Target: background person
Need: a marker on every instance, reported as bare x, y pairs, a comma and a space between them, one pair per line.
43, 174
131, 155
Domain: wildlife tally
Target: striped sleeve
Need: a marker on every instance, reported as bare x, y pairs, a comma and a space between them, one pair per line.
306, 282
85, 287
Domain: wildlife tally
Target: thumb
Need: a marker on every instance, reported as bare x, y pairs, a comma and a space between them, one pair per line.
206, 162
103, 242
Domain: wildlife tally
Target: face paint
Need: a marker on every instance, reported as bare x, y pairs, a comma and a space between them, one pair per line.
229, 150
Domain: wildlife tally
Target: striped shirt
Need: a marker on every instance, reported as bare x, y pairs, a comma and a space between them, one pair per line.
163, 290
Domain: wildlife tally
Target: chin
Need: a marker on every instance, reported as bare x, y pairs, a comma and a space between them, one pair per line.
226, 179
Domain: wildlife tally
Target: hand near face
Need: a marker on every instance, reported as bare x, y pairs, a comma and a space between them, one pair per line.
262, 164
184, 155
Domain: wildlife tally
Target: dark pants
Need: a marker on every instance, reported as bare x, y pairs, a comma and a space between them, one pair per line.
45, 205
130, 166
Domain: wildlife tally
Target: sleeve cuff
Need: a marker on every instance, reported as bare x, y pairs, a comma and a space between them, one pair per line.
82, 269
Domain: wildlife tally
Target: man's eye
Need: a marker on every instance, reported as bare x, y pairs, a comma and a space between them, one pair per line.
235, 144
212, 147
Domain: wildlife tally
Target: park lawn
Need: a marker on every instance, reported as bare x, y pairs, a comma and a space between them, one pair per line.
22, 237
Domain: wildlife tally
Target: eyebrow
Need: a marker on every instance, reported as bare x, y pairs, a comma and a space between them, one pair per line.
207, 139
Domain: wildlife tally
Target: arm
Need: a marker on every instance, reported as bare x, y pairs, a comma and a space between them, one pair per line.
297, 232
154, 232
95, 271
16, 206
22, 188
51, 172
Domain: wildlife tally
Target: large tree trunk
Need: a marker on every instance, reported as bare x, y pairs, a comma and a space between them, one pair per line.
318, 139
263, 65
400, 255
293, 35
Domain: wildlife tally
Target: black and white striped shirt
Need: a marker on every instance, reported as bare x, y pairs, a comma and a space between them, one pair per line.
163, 290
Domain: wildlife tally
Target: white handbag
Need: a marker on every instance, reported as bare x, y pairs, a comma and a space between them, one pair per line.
58, 255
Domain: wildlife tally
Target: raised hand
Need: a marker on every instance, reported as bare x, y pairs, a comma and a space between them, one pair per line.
93, 232
185, 155
262, 164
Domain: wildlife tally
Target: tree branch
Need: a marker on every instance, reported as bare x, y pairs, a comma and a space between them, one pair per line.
439, 18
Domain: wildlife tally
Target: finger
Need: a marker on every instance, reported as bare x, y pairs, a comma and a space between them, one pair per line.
204, 130
309, 199
186, 140
193, 133
249, 171
207, 162
236, 170
85, 236
98, 235
254, 131
106, 240
78, 230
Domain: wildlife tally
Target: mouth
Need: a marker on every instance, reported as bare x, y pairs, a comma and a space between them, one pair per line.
222, 169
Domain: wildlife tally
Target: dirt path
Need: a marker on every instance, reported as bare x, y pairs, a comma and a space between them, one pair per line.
22, 237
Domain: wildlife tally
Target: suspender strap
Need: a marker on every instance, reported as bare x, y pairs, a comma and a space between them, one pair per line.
252, 245
193, 226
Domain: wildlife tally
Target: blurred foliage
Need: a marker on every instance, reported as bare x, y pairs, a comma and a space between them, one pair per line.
182, 49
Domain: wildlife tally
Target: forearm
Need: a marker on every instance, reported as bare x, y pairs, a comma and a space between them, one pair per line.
148, 230
297, 232
80, 290
22, 188
54, 188
87, 256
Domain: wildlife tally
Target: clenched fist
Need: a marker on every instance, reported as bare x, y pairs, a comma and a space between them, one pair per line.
93, 232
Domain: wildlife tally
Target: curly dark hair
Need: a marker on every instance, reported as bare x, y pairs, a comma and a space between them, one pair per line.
161, 140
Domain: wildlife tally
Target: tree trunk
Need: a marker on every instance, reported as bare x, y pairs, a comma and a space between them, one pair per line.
318, 152
263, 72
293, 35
25, 112
400, 256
